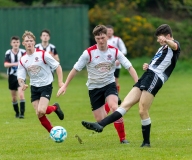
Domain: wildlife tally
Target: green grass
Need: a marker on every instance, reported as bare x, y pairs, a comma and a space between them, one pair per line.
171, 131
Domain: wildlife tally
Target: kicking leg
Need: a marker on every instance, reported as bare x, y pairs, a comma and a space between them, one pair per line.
131, 99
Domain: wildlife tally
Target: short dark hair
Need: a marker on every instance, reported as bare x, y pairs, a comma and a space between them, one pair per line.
99, 29
109, 26
14, 38
46, 31
163, 29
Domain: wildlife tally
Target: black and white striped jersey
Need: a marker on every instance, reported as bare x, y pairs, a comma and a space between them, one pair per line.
10, 57
164, 61
50, 48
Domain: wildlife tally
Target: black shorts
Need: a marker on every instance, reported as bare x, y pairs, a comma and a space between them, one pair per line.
149, 82
13, 82
38, 92
97, 96
117, 72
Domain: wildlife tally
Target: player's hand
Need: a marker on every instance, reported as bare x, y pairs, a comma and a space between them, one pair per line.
145, 66
15, 64
161, 39
117, 63
61, 90
24, 87
61, 84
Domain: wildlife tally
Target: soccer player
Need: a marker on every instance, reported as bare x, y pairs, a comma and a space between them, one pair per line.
100, 63
37, 64
118, 43
12, 56
46, 46
156, 74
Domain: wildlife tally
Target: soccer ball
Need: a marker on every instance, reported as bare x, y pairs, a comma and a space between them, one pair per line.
58, 134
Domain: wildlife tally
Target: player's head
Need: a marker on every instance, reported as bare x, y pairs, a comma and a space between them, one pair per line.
99, 30
164, 30
100, 34
110, 31
28, 40
15, 42
45, 35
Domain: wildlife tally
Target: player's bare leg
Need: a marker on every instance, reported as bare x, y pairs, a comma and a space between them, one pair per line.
40, 107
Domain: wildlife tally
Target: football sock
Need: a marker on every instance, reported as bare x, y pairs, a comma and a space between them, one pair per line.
107, 109
22, 107
50, 109
15, 107
146, 126
119, 126
113, 117
45, 123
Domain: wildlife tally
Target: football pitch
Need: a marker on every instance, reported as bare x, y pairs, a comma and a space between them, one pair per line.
171, 131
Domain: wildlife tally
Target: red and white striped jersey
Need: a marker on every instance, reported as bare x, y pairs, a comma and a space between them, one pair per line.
100, 65
38, 66
118, 43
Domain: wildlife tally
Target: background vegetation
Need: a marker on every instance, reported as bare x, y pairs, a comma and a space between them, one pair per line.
134, 21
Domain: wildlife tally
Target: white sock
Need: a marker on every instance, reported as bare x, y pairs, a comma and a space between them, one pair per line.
146, 122
121, 110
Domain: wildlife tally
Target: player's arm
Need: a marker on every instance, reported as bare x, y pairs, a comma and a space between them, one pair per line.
55, 66
59, 72
56, 57
7, 63
173, 45
79, 65
22, 84
21, 76
127, 65
133, 73
70, 76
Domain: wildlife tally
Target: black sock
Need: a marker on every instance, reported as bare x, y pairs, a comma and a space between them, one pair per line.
110, 119
15, 107
146, 133
22, 107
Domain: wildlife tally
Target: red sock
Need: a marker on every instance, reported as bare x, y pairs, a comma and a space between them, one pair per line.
50, 109
119, 126
45, 123
107, 109
118, 89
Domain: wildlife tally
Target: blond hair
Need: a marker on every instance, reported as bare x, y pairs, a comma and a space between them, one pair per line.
28, 34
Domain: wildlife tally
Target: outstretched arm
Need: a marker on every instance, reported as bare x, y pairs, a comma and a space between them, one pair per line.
59, 75
70, 76
133, 73
169, 42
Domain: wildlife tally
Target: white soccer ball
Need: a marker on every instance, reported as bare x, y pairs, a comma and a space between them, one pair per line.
58, 134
